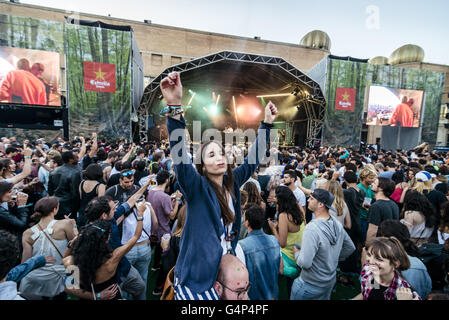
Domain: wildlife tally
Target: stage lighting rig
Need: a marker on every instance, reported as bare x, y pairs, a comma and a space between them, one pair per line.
296, 91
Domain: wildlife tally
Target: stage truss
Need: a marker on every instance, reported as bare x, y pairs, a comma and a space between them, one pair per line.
314, 106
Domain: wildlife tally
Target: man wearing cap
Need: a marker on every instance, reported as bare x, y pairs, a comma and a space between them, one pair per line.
324, 243
424, 185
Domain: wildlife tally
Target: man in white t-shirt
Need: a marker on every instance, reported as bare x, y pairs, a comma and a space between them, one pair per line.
290, 182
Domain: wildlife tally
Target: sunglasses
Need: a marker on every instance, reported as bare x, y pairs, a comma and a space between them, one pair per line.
127, 173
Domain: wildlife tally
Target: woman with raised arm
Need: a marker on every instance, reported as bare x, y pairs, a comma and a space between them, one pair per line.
213, 199
96, 259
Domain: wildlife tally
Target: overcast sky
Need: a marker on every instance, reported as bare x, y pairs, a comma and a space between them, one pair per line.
357, 28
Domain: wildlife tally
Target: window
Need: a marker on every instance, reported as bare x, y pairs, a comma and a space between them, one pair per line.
156, 59
175, 60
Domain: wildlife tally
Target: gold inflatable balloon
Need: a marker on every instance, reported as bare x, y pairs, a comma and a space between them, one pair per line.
406, 54
316, 39
378, 60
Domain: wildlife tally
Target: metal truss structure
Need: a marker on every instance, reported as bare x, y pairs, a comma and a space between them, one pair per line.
314, 105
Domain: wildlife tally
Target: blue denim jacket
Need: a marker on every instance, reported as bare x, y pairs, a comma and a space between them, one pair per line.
200, 248
418, 277
19, 272
263, 259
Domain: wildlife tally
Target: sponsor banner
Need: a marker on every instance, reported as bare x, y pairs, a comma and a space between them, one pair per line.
99, 77
345, 99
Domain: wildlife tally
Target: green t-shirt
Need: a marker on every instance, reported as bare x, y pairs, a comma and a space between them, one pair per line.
308, 181
368, 194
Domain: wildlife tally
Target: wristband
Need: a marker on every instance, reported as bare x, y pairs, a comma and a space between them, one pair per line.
139, 218
99, 296
27, 157
269, 125
178, 199
164, 250
171, 110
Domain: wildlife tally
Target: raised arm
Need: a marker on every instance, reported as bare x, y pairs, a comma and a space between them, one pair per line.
26, 167
94, 148
83, 148
187, 176
121, 251
128, 155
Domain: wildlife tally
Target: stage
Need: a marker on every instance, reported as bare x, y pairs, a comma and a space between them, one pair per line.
230, 90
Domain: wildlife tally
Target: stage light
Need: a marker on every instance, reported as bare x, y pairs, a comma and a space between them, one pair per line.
274, 95
218, 99
295, 91
240, 110
213, 109
191, 98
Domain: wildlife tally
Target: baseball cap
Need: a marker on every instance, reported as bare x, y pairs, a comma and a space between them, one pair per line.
325, 197
423, 176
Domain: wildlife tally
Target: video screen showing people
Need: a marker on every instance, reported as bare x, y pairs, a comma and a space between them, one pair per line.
394, 107
29, 77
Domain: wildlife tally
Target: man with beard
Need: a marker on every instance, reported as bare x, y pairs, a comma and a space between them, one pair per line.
126, 187
290, 178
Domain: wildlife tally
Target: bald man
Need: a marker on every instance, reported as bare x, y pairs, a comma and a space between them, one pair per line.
232, 279
21, 86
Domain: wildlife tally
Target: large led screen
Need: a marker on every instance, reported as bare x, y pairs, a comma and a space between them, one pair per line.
394, 107
29, 77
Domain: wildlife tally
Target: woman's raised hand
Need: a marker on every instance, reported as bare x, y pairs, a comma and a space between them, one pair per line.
404, 294
171, 88
270, 112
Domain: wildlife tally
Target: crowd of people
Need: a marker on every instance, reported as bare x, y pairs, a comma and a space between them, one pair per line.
88, 219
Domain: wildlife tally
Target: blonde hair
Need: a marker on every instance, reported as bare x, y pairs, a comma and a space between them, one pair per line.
335, 188
321, 182
421, 186
368, 171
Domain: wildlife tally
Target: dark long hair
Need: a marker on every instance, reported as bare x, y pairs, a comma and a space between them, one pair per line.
416, 201
228, 181
5, 187
253, 193
91, 250
286, 201
5, 163
394, 228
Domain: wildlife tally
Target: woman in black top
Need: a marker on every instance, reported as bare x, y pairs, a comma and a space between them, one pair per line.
89, 189
94, 257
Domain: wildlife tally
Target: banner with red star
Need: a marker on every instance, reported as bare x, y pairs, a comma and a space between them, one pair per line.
99, 77
345, 99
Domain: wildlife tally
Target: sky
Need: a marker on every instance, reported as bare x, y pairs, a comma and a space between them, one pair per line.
358, 28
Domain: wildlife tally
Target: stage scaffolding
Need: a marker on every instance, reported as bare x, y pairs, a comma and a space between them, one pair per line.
314, 104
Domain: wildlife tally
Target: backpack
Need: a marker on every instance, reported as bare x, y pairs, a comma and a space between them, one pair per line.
169, 290
434, 256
